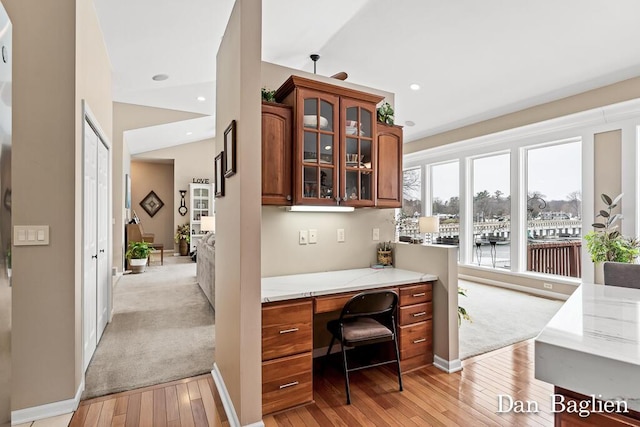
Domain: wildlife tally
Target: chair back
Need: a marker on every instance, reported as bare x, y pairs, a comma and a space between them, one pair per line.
370, 303
622, 274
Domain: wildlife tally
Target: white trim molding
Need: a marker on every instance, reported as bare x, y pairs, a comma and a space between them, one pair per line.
449, 366
47, 410
229, 409
525, 289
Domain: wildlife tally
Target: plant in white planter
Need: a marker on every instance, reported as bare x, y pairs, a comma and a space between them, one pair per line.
138, 254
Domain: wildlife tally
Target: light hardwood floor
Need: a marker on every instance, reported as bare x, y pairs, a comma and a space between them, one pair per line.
430, 397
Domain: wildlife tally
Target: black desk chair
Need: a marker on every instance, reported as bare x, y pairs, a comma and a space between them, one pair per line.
622, 274
367, 318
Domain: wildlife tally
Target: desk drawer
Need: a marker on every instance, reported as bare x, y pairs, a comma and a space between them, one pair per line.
415, 294
336, 302
286, 329
415, 313
287, 382
415, 339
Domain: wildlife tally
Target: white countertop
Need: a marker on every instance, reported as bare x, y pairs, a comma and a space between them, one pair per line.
280, 288
592, 345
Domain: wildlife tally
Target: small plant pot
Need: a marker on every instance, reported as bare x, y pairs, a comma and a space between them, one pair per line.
138, 265
385, 258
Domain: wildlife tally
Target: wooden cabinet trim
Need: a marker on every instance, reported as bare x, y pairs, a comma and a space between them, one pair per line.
301, 82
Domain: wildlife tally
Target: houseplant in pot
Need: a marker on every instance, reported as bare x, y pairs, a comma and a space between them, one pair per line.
183, 238
606, 243
137, 255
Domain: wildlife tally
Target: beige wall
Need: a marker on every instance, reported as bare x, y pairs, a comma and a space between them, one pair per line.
47, 170
194, 160
606, 95
281, 253
237, 272
127, 117
157, 177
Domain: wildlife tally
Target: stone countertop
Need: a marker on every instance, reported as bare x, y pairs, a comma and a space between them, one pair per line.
592, 345
282, 288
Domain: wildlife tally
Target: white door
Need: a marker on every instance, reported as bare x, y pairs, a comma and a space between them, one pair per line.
89, 259
103, 273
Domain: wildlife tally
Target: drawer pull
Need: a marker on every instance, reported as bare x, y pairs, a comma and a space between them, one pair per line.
419, 341
288, 385
286, 331
421, 294
422, 313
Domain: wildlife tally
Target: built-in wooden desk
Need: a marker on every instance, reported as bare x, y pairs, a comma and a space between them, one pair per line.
290, 304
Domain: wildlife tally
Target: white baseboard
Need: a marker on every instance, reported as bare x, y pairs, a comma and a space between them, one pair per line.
449, 366
232, 416
48, 410
525, 289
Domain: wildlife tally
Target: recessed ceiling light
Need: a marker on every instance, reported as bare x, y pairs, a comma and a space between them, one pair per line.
189, 133
160, 77
410, 123
201, 98
414, 86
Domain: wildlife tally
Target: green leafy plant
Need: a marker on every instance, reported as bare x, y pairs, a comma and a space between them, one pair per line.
462, 312
268, 95
183, 232
605, 242
386, 113
138, 250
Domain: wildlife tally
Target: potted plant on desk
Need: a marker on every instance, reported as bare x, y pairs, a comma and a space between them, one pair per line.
183, 238
137, 254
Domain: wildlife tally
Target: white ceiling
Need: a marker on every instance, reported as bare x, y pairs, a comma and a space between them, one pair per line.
473, 60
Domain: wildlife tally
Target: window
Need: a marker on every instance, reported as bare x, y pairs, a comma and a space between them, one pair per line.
554, 202
407, 218
491, 211
445, 200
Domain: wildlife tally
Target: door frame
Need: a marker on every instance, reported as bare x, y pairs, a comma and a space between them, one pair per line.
90, 118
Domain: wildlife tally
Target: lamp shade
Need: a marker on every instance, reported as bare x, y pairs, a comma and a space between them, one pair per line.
208, 223
429, 224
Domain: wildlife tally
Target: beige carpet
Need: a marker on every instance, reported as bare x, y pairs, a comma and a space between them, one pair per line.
162, 330
500, 317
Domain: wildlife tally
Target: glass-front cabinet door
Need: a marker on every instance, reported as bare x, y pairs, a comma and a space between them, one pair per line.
318, 148
358, 155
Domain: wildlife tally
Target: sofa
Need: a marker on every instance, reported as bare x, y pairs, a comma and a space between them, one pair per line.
205, 267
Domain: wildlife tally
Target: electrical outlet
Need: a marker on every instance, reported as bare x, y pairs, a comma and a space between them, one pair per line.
313, 236
376, 234
548, 286
303, 237
340, 235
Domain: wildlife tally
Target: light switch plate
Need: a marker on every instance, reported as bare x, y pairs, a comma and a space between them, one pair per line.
376, 234
303, 237
30, 235
313, 236
340, 235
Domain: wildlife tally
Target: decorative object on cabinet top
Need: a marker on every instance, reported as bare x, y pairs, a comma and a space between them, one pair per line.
268, 95
386, 113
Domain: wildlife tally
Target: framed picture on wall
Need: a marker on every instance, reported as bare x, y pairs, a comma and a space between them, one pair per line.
230, 150
219, 174
127, 191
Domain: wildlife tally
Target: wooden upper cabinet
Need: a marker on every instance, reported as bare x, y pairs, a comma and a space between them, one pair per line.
389, 152
334, 143
358, 158
276, 154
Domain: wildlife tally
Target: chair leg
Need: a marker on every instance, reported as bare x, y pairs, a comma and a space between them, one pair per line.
395, 342
326, 357
346, 373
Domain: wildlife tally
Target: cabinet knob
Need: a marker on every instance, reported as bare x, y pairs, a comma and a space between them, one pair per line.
289, 197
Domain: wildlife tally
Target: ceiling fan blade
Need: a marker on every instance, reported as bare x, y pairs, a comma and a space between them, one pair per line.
340, 76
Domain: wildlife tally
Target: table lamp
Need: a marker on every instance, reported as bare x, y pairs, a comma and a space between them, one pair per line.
208, 223
429, 225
